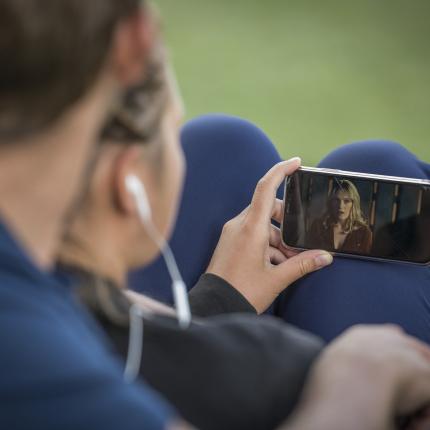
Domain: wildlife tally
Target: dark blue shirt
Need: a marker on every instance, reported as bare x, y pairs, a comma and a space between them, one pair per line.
56, 370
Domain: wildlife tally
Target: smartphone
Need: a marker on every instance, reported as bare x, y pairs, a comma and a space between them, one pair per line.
358, 215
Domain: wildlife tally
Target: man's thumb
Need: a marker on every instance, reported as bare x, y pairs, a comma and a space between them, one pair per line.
303, 263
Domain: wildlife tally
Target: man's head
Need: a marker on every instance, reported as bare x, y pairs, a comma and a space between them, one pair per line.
63, 64
140, 139
52, 53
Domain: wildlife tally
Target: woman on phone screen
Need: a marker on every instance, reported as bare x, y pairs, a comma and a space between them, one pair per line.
342, 227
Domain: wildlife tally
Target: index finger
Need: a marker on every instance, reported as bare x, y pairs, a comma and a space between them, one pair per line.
264, 198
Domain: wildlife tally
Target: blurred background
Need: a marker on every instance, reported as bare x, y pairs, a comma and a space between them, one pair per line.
312, 74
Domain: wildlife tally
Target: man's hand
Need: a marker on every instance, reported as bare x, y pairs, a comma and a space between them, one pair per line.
250, 254
366, 379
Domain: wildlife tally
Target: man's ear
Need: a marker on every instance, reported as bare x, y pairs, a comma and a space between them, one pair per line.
127, 163
132, 42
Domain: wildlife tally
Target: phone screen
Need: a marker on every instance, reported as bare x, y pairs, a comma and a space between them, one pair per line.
357, 216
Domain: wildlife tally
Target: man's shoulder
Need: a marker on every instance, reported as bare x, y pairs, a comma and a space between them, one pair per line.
55, 372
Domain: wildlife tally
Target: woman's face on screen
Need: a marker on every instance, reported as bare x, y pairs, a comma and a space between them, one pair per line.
341, 205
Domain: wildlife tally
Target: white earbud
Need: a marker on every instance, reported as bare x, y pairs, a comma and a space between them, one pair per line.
136, 188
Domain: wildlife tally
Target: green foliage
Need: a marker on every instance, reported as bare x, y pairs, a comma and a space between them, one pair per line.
313, 74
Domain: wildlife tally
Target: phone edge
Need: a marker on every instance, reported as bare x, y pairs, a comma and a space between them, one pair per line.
351, 174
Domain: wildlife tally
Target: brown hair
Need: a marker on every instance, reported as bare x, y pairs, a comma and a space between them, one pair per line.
138, 114
51, 52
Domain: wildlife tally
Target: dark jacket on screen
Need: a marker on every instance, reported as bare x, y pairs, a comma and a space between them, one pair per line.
358, 241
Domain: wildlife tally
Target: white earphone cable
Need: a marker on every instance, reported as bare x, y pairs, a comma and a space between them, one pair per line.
135, 343
179, 289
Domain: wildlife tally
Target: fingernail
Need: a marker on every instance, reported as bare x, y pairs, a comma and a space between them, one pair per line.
324, 259
293, 160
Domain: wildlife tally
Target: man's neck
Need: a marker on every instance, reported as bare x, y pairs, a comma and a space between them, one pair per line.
28, 204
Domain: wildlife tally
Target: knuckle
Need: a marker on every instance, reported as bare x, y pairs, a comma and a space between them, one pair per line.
393, 328
261, 184
228, 225
357, 329
247, 226
305, 267
302, 267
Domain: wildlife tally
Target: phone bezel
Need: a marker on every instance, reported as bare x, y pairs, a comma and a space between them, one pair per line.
356, 175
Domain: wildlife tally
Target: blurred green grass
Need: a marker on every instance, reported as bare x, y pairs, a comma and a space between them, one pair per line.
313, 74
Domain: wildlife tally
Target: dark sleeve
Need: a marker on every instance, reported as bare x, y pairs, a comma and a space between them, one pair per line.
231, 372
213, 295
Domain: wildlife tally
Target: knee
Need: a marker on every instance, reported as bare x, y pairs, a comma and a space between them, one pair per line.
224, 136
378, 157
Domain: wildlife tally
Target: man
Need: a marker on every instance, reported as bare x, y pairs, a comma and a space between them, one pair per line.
63, 64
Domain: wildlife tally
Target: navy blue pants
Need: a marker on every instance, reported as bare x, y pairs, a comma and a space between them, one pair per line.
226, 156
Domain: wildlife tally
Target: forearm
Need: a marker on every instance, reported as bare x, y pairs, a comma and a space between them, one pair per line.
211, 296
338, 414
354, 400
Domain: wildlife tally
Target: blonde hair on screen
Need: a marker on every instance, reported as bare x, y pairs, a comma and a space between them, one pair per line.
356, 218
